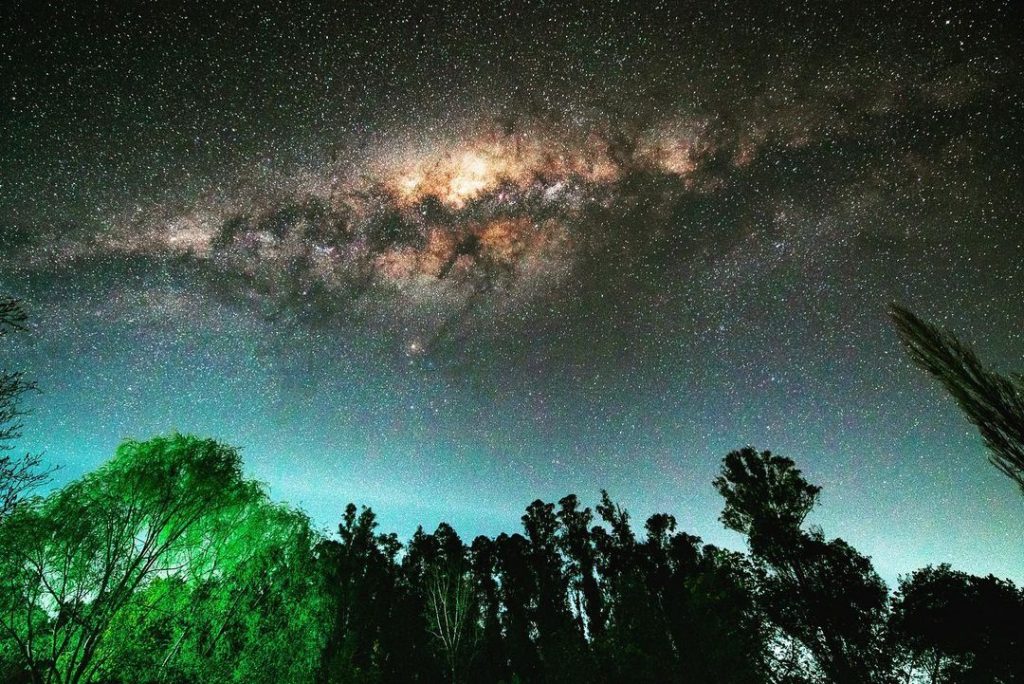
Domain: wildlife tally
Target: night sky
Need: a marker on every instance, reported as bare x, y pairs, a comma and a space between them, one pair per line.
444, 259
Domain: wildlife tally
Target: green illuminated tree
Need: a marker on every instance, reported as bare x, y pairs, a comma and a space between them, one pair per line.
75, 562
258, 613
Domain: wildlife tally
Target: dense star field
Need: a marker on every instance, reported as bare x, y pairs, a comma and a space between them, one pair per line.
447, 259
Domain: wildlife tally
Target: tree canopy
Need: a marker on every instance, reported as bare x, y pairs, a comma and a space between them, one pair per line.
168, 565
992, 401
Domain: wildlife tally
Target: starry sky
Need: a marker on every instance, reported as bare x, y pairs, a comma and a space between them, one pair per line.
446, 258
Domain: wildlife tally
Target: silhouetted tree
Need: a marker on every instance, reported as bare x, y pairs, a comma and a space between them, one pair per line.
18, 473
438, 567
718, 629
362, 582
560, 639
766, 498
492, 663
821, 593
518, 592
576, 542
637, 644
993, 402
952, 627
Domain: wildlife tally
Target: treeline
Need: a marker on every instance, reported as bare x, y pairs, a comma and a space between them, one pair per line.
167, 565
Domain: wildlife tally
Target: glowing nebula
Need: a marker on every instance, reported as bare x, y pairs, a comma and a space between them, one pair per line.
497, 213
459, 174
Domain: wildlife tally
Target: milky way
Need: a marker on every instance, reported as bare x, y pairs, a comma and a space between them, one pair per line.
446, 259
442, 230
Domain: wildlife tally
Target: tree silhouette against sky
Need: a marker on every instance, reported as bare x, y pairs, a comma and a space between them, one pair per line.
992, 401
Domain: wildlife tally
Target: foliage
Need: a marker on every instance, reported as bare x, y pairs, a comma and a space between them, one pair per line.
949, 626
993, 402
18, 473
167, 566
766, 497
164, 540
822, 594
